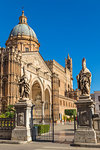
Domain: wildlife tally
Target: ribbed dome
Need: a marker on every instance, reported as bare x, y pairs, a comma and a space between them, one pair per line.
23, 29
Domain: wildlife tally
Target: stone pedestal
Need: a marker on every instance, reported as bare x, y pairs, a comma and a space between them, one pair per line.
22, 129
85, 132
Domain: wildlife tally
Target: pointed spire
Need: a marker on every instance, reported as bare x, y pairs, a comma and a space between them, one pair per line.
68, 56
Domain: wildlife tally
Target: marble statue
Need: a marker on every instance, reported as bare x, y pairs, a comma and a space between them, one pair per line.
84, 79
24, 86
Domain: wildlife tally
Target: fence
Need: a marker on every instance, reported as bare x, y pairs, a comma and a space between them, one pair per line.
6, 127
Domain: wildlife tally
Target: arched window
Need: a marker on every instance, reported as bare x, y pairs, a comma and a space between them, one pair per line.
4, 85
26, 49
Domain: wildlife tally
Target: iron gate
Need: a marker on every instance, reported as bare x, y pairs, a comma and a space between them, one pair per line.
43, 129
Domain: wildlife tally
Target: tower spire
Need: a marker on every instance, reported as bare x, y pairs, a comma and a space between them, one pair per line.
68, 56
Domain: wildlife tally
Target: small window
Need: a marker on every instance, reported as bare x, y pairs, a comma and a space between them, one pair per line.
4, 88
59, 83
99, 107
63, 103
65, 93
99, 98
46, 105
68, 87
26, 49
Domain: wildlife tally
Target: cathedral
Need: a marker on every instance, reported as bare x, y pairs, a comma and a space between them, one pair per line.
50, 83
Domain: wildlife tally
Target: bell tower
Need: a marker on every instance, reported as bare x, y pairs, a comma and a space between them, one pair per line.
10, 71
68, 63
68, 70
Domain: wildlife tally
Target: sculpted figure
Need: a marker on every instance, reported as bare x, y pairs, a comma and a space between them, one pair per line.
84, 79
24, 86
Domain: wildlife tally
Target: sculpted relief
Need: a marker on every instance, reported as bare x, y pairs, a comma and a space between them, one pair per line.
21, 119
35, 60
84, 79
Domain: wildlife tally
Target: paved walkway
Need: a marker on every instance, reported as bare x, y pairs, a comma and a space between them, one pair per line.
64, 133
42, 146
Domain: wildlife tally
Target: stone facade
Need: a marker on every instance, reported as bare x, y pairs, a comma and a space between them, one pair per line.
96, 97
64, 96
48, 79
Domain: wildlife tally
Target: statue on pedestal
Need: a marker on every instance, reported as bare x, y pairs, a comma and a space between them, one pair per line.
84, 132
24, 86
84, 79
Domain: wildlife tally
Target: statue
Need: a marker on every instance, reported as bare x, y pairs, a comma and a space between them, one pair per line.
24, 86
84, 79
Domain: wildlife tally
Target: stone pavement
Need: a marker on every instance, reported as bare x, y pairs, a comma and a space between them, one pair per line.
42, 146
64, 133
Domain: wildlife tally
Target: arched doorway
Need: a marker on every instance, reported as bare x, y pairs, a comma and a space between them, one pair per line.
42, 120
37, 100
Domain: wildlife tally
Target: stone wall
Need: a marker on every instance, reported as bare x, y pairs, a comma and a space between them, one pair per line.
5, 134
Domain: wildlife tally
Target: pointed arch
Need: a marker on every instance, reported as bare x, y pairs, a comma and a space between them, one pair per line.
49, 89
39, 81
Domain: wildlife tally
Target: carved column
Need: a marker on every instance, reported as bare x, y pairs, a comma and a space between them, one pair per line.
42, 112
55, 95
50, 109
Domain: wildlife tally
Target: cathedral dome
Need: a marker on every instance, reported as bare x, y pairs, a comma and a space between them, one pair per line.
23, 36
23, 29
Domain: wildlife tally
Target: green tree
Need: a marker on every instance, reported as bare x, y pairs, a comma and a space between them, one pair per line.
70, 112
10, 112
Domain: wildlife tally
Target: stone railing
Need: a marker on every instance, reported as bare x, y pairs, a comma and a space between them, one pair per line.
6, 127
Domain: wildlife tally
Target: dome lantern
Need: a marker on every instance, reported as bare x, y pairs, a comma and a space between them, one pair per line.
22, 19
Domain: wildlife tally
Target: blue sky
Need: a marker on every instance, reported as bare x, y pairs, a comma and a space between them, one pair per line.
62, 27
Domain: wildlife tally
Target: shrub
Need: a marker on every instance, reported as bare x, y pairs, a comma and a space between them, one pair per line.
70, 112
10, 108
42, 128
10, 112
2, 116
65, 118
